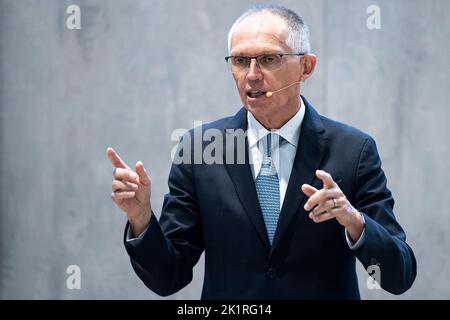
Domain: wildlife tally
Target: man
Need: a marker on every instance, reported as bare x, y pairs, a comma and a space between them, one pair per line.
288, 222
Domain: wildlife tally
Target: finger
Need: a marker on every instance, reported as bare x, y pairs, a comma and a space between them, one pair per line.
120, 195
118, 185
125, 175
323, 207
115, 159
308, 190
315, 199
322, 196
323, 217
142, 173
326, 178
333, 212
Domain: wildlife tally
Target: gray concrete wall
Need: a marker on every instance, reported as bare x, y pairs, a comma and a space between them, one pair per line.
137, 70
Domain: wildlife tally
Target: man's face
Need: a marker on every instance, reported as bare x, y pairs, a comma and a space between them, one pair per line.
260, 34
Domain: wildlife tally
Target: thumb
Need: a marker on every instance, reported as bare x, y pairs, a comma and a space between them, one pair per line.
308, 190
144, 179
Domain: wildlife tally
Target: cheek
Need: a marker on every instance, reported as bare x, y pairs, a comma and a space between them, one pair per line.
291, 70
240, 84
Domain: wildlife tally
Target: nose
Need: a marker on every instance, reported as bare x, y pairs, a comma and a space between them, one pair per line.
254, 71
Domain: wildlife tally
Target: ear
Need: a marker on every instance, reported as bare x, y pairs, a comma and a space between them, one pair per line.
308, 65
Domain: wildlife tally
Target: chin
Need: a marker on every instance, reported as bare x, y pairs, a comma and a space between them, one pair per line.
257, 109
256, 105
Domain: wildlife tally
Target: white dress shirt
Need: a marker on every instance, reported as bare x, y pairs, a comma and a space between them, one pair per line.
283, 154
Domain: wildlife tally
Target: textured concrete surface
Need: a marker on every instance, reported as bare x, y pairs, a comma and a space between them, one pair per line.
137, 70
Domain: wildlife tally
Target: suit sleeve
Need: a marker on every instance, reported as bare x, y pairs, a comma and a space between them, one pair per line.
164, 256
385, 241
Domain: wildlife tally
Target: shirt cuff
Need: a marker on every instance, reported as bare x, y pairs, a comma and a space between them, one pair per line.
355, 246
130, 239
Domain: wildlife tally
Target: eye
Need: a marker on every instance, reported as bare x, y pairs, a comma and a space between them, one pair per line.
270, 59
239, 61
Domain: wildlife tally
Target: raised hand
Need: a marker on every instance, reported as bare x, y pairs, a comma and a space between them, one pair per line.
131, 191
331, 203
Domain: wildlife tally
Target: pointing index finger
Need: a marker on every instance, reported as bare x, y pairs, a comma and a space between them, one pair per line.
115, 159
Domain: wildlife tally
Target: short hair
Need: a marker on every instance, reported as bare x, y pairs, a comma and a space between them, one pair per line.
298, 31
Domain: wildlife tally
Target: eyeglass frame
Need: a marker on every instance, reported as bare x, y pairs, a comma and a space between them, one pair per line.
281, 54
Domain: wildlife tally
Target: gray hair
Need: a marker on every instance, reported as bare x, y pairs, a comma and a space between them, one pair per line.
298, 31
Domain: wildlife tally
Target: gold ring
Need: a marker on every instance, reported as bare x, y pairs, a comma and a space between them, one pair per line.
334, 203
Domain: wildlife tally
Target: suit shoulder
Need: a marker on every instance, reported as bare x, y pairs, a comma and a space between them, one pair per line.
340, 130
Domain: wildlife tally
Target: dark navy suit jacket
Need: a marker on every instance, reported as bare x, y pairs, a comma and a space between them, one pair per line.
214, 209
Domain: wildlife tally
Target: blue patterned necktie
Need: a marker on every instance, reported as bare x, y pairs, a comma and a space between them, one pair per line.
268, 189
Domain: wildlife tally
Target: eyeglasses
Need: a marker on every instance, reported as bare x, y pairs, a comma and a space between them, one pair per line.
267, 61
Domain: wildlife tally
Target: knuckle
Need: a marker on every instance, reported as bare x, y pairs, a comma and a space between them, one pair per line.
117, 185
131, 175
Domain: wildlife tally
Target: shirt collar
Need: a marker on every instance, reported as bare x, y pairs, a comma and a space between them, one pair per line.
290, 131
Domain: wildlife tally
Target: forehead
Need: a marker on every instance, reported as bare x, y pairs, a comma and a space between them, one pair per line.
258, 33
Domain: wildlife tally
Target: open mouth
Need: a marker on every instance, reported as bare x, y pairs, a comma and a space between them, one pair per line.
255, 94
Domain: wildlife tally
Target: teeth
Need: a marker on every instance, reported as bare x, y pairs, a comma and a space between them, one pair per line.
255, 94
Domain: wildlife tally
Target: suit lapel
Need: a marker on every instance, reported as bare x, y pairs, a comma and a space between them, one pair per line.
311, 150
242, 177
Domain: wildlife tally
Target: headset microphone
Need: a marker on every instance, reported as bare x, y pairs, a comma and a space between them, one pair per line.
270, 93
